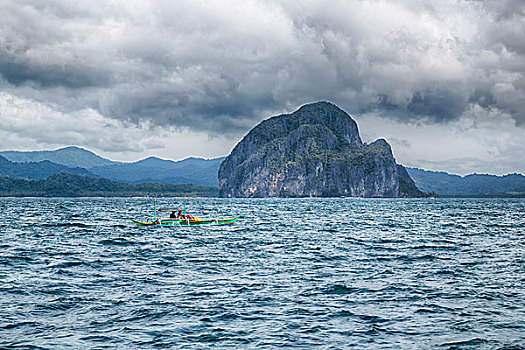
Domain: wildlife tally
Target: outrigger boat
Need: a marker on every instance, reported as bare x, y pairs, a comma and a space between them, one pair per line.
180, 218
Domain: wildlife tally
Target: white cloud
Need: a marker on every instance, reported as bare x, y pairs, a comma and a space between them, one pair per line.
479, 141
28, 124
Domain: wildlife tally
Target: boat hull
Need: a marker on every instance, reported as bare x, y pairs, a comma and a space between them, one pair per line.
183, 223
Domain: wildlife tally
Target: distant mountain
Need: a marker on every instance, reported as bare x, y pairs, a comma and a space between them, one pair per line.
476, 185
73, 157
315, 151
202, 172
67, 185
197, 171
36, 170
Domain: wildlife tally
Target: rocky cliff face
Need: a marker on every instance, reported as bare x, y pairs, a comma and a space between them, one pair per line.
315, 151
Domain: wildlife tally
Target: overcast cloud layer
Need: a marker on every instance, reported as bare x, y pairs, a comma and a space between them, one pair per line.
443, 81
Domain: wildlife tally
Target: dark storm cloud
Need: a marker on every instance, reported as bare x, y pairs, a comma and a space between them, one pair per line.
442, 105
222, 67
49, 77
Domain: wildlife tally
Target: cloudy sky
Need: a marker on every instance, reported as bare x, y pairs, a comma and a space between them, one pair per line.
443, 81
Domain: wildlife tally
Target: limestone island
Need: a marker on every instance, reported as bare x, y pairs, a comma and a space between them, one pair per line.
315, 151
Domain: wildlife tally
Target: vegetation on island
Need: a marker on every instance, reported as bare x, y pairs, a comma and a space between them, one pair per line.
443, 184
70, 185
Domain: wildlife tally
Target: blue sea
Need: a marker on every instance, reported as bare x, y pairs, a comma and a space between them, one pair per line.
291, 273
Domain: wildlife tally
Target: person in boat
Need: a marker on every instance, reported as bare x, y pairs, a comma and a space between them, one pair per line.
173, 215
181, 216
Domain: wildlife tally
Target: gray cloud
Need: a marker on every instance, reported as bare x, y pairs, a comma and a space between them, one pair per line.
222, 68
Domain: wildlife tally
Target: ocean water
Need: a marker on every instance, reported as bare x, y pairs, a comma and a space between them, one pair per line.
307, 273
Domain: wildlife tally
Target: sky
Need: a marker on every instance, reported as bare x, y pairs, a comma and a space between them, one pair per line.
443, 81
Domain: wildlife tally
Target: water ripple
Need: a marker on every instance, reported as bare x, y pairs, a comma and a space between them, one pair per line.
307, 273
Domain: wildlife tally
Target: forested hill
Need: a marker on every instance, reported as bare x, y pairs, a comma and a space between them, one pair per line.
474, 185
36, 170
69, 185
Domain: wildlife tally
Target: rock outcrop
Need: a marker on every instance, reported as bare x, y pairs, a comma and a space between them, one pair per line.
314, 152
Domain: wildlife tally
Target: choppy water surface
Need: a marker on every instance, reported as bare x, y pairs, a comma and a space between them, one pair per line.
327, 273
